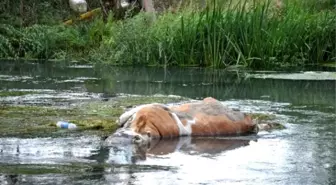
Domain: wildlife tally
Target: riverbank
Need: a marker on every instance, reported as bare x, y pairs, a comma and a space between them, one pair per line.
255, 36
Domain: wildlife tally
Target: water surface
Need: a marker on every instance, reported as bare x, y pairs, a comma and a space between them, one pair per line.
303, 153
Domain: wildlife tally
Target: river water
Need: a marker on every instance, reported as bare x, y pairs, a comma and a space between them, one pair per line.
303, 153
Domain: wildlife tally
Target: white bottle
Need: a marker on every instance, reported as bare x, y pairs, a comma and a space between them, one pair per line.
66, 125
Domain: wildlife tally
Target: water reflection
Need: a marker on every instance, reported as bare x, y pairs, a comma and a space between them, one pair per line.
304, 153
131, 154
164, 149
104, 82
97, 163
196, 146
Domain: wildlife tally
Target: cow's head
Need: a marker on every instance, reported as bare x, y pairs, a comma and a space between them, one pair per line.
128, 136
141, 124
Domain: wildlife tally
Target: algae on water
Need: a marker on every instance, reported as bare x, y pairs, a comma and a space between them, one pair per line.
34, 121
15, 93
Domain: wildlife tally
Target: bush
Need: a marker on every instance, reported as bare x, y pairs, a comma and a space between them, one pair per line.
257, 36
252, 34
50, 42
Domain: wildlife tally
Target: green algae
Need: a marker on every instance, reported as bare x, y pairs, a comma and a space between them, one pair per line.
76, 168
262, 117
12, 111
16, 93
137, 100
30, 121
95, 123
36, 169
267, 122
103, 115
275, 126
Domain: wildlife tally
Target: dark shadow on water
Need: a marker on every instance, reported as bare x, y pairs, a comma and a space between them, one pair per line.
187, 145
12, 179
197, 145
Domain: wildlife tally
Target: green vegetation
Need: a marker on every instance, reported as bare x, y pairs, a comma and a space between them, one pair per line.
253, 34
32, 29
75, 168
44, 42
15, 93
267, 122
32, 121
30, 12
100, 116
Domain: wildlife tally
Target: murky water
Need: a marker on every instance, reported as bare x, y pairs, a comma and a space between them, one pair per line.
303, 153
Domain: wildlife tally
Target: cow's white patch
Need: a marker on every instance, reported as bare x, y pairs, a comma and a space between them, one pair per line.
184, 130
132, 113
126, 116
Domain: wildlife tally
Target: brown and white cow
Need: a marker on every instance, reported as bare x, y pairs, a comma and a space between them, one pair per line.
208, 117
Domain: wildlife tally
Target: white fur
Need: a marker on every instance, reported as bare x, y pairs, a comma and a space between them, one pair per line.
126, 116
184, 130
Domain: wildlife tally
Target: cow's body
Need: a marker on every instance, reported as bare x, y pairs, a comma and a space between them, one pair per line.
211, 118
208, 117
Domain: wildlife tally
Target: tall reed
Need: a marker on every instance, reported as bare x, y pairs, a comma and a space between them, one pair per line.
247, 34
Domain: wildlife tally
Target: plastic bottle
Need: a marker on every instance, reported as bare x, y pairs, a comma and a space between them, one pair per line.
66, 125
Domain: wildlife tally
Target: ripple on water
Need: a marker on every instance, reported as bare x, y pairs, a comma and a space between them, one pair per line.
48, 97
300, 154
14, 78
47, 150
307, 75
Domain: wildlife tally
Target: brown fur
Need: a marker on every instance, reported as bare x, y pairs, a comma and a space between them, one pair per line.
220, 125
210, 118
156, 120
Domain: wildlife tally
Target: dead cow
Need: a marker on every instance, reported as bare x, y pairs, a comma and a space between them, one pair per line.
208, 117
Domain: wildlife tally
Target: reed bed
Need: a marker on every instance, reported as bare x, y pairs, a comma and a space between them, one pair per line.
257, 34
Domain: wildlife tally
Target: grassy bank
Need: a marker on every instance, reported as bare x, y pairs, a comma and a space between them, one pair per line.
249, 34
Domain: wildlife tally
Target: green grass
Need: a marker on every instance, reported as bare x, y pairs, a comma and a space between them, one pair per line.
49, 42
249, 33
